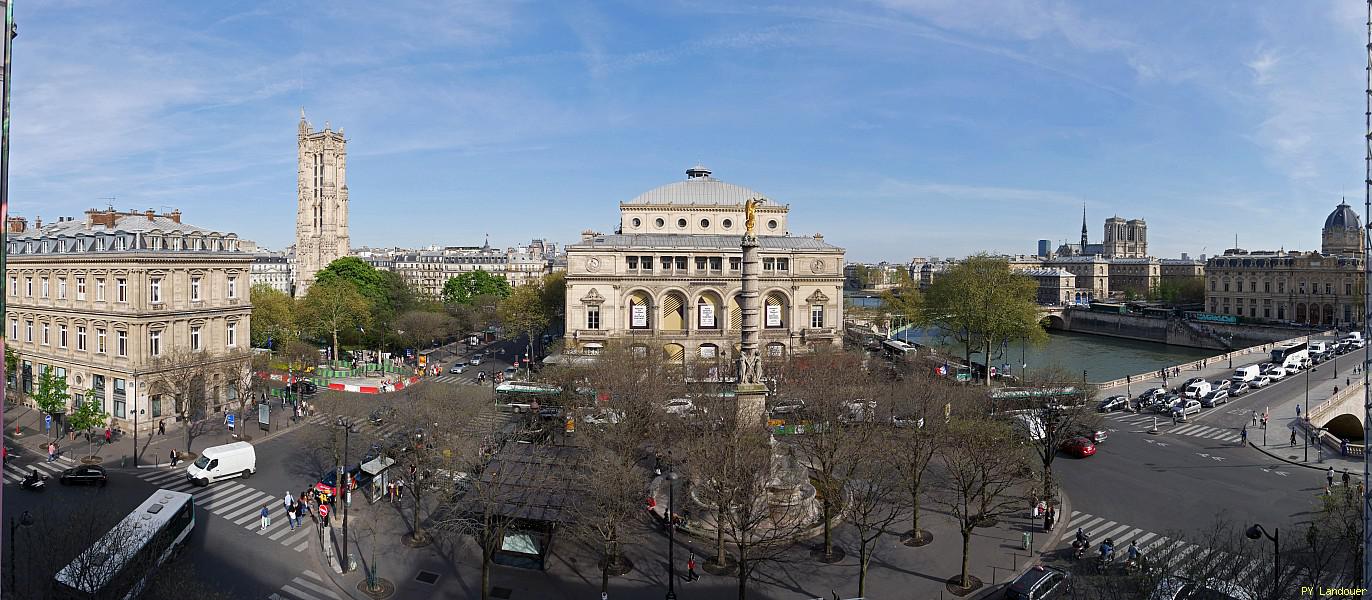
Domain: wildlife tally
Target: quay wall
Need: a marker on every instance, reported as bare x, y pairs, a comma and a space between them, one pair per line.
1177, 332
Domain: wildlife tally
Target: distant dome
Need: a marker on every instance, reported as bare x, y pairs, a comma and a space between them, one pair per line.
1343, 217
698, 188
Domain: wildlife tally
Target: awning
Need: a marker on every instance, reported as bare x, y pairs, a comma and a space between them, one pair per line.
376, 465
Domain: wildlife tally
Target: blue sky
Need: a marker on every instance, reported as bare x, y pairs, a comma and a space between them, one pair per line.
897, 128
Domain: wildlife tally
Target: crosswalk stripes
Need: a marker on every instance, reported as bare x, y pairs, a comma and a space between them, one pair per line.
1192, 430
465, 378
237, 503
1158, 549
14, 472
307, 586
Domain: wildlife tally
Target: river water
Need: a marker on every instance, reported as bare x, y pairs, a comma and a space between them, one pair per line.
1103, 358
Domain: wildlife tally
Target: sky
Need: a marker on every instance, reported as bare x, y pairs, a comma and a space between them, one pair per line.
897, 128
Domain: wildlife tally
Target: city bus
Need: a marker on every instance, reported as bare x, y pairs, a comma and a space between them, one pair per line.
1293, 355
520, 396
119, 564
898, 349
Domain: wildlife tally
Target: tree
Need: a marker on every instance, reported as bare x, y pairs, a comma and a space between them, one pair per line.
981, 303
183, 374
333, 306
554, 294
1061, 418
982, 466
874, 496
363, 277
51, 393
422, 328
524, 313
88, 415
273, 316
1180, 290
615, 500
904, 302
917, 406
240, 373
466, 286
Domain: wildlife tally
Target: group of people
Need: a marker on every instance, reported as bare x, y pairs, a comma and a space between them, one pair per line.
316, 504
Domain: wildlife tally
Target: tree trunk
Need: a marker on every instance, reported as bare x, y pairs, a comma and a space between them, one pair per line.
605, 574
966, 546
486, 572
742, 572
828, 531
719, 535
334, 356
914, 510
987, 356
863, 559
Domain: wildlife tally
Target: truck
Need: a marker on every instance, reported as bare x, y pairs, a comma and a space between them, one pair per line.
1246, 374
222, 462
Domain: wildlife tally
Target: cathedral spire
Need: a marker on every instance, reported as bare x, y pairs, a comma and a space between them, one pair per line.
1083, 227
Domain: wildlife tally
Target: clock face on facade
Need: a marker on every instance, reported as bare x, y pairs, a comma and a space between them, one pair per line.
817, 266
593, 264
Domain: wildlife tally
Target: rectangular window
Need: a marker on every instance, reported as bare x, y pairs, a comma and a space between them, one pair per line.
62, 336
632, 262
734, 263
14, 329
100, 346
782, 264
154, 343
121, 290
81, 338
195, 289
119, 398
647, 262
681, 263
1328, 288
700, 263
666, 262
121, 343
155, 405
46, 339
1301, 287
1252, 286
1267, 287
155, 290
100, 290
28, 286
817, 316
28, 331
195, 337
715, 263
769, 264
44, 288
14, 286
62, 288
232, 336
1281, 287
80, 288
592, 317
1347, 288
233, 287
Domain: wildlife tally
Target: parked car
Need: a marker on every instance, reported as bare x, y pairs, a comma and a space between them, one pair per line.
1192, 380
1275, 373
85, 474
680, 406
1238, 388
1039, 583
1260, 381
1150, 394
1167, 404
509, 373
328, 481
457, 368
1113, 403
907, 421
1189, 407
604, 416
858, 411
1215, 398
303, 387
1079, 447
786, 406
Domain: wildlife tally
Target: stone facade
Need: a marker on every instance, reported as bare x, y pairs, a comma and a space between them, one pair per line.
102, 300
672, 277
1140, 276
427, 270
1301, 287
272, 269
1125, 239
1057, 287
321, 218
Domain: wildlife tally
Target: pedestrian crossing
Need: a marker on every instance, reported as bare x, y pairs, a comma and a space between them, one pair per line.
240, 504
307, 586
1219, 434
467, 377
15, 472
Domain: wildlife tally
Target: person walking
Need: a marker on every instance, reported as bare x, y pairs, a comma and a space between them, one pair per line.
1329, 478
1049, 516
1243, 436
691, 568
288, 503
1293, 438
1255, 418
1345, 478
266, 517
162, 427
173, 458
1298, 411
109, 435
52, 451
399, 489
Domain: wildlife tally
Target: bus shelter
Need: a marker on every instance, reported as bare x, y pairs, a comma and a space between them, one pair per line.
533, 490
376, 474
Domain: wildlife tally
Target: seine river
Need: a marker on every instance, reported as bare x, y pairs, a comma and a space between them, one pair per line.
1103, 358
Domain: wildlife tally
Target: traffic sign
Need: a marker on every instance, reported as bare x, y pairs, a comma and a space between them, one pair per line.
228, 420
47, 422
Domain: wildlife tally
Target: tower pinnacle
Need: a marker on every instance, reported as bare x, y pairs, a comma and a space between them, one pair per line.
1083, 227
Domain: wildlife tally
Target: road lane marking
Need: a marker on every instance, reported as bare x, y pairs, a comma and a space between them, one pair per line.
1097, 530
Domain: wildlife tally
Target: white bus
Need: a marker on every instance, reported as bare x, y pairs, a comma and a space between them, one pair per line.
520, 396
119, 563
1291, 356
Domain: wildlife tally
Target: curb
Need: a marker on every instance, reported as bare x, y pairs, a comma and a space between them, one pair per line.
1291, 462
1059, 531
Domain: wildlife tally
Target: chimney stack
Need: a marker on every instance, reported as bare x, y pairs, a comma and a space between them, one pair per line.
175, 215
150, 213
38, 222
18, 224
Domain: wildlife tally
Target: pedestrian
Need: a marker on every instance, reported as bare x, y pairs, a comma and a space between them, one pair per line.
286, 502
1264, 422
1293, 438
1255, 418
1343, 451
1298, 411
266, 518
1243, 435
1048, 519
162, 427
399, 488
1329, 477
173, 458
1345, 478
109, 435
1347, 382
691, 568
52, 451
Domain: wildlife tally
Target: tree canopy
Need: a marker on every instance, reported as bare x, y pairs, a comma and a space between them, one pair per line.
467, 286
982, 303
273, 316
335, 306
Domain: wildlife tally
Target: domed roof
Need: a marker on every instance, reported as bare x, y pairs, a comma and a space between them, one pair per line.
699, 188
1342, 217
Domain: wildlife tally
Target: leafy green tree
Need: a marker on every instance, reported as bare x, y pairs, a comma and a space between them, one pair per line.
525, 313
365, 278
463, 288
273, 316
88, 415
1188, 290
981, 303
335, 306
554, 294
51, 393
903, 303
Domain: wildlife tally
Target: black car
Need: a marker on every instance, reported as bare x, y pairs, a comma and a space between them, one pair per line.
1113, 403
303, 388
85, 474
1039, 583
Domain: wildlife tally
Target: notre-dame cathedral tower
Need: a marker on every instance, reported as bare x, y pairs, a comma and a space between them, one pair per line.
321, 217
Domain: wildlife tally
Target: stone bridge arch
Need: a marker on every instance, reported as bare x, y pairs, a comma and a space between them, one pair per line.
1345, 426
1053, 321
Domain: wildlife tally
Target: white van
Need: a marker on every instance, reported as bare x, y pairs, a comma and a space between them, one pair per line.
1246, 374
1031, 426
222, 462
1355, 336
1317, 347
1197, 389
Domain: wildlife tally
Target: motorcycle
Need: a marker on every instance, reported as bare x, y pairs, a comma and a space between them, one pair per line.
34, 483
1079, 549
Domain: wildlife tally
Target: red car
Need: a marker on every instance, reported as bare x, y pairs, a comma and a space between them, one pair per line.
1079, 447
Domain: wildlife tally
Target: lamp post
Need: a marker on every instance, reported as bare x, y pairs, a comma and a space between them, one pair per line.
1256, 532
344, 489
25, 520
136, 412
671, 531
1307, 411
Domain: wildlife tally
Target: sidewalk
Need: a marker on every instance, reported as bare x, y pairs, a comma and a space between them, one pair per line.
154, 449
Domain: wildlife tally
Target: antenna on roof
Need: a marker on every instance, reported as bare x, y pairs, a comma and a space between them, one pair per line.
108, 200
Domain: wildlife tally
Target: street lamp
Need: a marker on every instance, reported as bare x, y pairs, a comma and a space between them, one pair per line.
25, 520
671, 531
345, 489
1307, 410
1256, 532
136, 411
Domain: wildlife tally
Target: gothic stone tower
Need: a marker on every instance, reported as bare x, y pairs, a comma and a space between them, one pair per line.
321, 217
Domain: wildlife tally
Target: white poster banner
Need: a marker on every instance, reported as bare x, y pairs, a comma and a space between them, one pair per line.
638, 315
774, 315
707, 315
707, 351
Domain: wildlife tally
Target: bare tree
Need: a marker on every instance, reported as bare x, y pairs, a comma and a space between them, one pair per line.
1057, 407
917, 409
982, 467
875, 495
605, 514
183, 373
